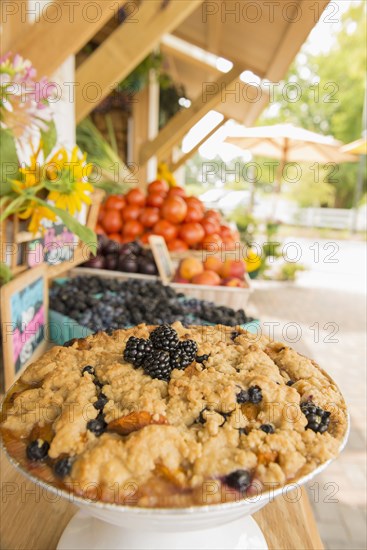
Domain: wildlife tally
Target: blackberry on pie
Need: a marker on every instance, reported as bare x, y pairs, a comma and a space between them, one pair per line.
136, 350
157, 365
164, 338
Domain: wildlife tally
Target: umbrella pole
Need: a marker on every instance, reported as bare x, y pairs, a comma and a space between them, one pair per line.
361, 166
278, 180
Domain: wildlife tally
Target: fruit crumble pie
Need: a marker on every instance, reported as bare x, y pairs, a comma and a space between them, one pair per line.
171, 416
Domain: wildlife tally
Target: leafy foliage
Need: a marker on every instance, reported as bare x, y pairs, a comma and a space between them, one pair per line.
330, 89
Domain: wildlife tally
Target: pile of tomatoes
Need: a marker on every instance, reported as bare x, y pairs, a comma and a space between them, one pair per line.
183, 221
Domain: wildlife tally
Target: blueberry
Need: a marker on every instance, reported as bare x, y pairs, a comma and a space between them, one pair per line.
63, 467
267, 428
97, 426
242, 397
290, 382
101, 401
201, 358
37, 450
252, 395
239, 480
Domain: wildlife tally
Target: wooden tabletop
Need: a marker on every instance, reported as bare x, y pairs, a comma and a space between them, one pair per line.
33, 519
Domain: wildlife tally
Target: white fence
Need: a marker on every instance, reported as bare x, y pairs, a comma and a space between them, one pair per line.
334, 218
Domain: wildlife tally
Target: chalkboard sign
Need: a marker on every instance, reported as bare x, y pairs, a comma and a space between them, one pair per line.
24, 313
162, 258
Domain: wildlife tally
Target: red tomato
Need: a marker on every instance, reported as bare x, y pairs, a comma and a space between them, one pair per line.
159, 186
115, 237
174, 209
155, 199
194, 213
212, 214
177, 245
225, 231
135, 196
130, 212
229, 243
149, 216
166, 229
191, 233
133, 228
117, 202
112, 222
100, 230
144, 239
195, 201
210, 226
212, 242
177, 192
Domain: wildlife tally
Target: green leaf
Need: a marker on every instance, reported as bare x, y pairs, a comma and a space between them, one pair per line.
5, 274
84, 233
9, 161
49, 138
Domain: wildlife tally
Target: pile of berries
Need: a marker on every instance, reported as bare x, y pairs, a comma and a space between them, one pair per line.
110, 304
162, 353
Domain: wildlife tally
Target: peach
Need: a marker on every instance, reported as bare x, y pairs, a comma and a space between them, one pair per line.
189, 267
232, 268
207, 277
178, 279
235, 282
212, 263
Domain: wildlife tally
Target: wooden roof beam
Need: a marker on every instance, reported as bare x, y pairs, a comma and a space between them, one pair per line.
62, 29
125, 48
212, 94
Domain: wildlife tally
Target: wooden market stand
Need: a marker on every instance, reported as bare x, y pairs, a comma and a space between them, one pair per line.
263, 46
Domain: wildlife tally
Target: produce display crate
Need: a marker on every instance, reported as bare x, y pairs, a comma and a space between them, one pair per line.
234, 297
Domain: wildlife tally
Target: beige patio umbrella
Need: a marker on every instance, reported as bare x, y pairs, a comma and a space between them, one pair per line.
358, 147
289, 144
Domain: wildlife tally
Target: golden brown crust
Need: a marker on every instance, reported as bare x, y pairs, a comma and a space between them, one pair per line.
168, 439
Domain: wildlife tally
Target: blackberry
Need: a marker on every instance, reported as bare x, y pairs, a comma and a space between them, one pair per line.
164, 338
37, 450
157, 365
63, 466
318, 420
201, 358
98, 425
239, 480
101, 401
182, 356
252, 395
89, 369
136, 350
267, 428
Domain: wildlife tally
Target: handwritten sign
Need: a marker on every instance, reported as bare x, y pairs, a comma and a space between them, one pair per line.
24, 313
162, 258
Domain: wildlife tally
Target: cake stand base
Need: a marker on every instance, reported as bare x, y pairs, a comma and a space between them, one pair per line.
87, 533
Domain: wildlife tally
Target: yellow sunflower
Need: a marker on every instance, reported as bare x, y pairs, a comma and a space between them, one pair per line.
37, 213
69, 178
32, 174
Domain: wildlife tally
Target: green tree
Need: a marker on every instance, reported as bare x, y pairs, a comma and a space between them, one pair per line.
332, 88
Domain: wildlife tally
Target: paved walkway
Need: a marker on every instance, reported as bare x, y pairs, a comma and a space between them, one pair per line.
332, 326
